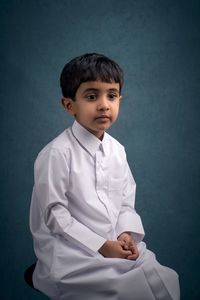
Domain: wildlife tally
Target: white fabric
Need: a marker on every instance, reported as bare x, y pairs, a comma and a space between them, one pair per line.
83, 195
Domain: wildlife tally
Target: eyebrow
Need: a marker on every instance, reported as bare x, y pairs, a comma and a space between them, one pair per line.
97, 90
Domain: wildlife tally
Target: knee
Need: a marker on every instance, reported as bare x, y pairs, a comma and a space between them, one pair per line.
171, 281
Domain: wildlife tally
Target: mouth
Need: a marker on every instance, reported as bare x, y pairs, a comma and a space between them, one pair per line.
102, 117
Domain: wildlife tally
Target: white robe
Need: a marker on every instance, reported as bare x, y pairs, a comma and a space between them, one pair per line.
83, 195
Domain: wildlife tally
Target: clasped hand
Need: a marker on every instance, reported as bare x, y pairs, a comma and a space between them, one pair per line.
123, 247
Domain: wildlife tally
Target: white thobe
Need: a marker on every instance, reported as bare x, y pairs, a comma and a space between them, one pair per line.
83, 195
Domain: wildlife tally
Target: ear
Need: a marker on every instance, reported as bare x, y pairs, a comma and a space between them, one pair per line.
68, 105
120, 99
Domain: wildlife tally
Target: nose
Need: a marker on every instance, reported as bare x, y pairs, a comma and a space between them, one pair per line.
103, 104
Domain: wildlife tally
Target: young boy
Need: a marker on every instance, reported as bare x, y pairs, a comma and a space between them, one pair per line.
87, 234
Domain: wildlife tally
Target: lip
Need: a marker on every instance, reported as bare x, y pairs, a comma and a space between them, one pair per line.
102, 117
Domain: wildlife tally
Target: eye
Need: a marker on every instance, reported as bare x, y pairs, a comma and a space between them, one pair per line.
91, 97
112, 96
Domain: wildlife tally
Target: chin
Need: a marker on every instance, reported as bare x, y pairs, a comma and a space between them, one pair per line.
103, 128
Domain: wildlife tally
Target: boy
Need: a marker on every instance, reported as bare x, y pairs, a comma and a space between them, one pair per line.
87, 234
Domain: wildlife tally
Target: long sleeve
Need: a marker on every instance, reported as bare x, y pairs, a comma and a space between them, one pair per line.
52, 179
128, 219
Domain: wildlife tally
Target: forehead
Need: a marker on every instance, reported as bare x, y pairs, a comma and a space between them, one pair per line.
98, 85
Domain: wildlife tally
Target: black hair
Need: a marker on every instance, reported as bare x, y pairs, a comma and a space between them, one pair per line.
89, 67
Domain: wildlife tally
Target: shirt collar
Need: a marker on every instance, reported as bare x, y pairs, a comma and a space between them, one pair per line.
88, 140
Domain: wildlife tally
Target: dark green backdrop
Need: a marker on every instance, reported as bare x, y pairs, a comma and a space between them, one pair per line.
157, 43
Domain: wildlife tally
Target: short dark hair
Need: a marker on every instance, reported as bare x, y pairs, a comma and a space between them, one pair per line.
89, 67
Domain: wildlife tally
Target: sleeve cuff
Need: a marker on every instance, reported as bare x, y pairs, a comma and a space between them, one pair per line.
59, 221
130, 221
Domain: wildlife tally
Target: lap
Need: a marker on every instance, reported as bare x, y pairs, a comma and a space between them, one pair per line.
79, 275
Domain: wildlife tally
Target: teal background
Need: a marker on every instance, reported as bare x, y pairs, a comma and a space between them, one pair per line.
157, 43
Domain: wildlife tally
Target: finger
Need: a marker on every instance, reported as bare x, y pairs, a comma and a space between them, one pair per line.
134, 250
126, 253
126, 247
122, 243
133, 257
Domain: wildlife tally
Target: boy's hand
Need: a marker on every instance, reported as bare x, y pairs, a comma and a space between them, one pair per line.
115, 249
129, 245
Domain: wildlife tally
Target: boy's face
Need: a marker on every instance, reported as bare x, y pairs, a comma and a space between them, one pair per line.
96, 106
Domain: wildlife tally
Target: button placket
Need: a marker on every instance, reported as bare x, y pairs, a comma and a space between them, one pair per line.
102, 186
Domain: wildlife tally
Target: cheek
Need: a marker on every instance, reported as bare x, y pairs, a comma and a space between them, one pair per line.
116, 110
87, 110
83, 112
